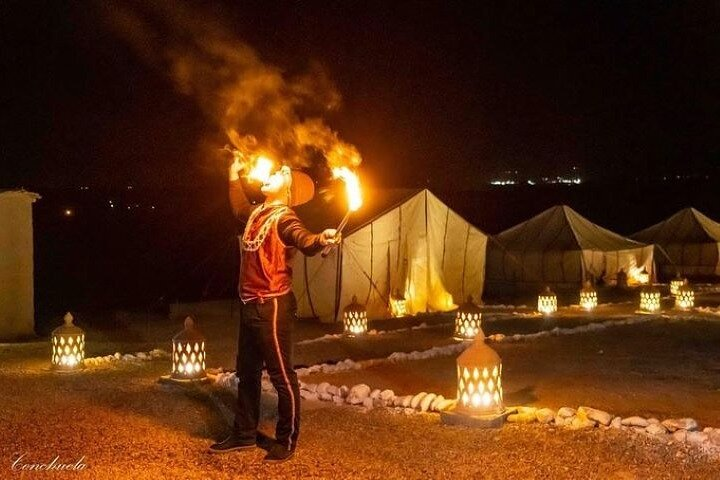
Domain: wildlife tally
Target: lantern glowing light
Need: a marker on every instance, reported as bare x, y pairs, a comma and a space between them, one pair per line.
588, 297
547, 302
188, 357
676, 284
68, 345
650, 300
354, 319
467, 321
398, 305
479, 387
685, 298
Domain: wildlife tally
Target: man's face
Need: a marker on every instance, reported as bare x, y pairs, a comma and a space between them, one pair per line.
277, 183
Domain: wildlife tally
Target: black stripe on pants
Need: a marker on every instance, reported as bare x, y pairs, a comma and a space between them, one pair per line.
266, 337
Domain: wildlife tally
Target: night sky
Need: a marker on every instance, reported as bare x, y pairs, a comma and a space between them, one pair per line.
430, 90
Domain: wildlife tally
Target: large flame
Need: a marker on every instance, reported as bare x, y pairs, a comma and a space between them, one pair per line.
261, 170
352, 186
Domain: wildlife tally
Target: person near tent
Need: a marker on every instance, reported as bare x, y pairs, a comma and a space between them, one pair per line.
273, 232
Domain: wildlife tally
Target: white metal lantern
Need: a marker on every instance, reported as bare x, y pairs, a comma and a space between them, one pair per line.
685, 297
188, 353
355, 318
68, 346
588, 297
650, 299
468, 321
676, 284
547, 302
398, 305
479, 370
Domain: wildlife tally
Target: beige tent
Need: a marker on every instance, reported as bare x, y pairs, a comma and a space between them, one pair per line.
17, 311
690, 239
417, 247
561, 248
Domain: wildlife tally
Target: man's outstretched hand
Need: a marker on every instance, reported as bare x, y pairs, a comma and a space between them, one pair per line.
330, 236
235, 168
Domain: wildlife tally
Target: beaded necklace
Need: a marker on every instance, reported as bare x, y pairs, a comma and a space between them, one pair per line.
253, 244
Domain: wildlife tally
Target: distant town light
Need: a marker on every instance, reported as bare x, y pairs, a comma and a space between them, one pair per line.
68, 212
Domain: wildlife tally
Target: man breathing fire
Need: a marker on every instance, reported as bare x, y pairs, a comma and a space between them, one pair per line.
273, 233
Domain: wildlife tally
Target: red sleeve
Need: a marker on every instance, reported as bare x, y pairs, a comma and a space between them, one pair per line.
294, 234
241, 206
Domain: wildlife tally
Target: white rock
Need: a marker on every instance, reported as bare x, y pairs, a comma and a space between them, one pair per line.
426, 402
142, 355
445, 404
338, 400
416, 399
375, 394
358, 393
653, 420
322, 387
117, 355
545, 415
344, 391
599, 416
311, 387
521, 418
566, 412
434, 405
582, 422
406, 401
325, 396
656, 429
616, 422
696, 437
128, 357
635, 422
680, 436
308, 395
332, 390
673, 424
387, 396
562, 421
714, 436
367, 403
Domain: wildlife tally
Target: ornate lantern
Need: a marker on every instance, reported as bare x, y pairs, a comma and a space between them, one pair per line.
588, 297
685, 298
676, 284
355, 318
398, 305
68, 346
479, 392
467, 321
188, 353
649, 299
547, 302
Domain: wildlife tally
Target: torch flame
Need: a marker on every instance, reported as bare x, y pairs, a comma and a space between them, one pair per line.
260, 172
352, 186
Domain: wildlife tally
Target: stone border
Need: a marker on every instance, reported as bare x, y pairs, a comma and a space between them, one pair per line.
118, 357
671, 430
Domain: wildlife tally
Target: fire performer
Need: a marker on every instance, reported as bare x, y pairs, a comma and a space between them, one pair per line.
273, 233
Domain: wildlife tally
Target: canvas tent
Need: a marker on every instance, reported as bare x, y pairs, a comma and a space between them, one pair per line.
17, 311
561, 248
418, 247
691, 241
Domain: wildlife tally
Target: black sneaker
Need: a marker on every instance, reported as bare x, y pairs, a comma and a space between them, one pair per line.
232, 444
279, 454
265, 442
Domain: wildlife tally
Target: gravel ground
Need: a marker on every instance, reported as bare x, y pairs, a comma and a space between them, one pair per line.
125, 425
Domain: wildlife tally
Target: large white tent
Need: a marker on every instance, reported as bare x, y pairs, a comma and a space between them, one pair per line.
561, 248
17, 311
691, 241
417, 247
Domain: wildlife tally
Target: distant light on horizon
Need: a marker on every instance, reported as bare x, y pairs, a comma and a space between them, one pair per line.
68, 212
